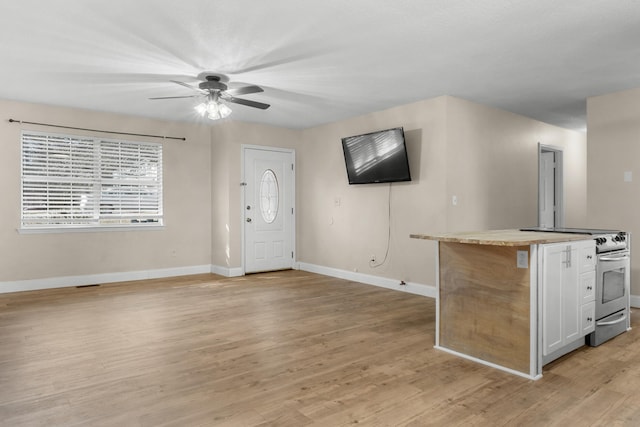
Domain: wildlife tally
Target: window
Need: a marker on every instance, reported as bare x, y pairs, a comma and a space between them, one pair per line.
269, 196
77, 182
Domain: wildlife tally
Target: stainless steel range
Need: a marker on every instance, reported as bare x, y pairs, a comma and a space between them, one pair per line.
613, 273
613, 278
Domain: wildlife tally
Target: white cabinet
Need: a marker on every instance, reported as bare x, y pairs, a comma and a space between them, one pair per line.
568, 298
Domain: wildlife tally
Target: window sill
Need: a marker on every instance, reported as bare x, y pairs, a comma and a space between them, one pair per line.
90, 229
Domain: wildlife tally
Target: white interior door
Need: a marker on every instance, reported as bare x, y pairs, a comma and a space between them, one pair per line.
268, 214
547, 189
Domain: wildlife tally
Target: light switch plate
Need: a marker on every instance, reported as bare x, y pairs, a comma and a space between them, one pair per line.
523, 259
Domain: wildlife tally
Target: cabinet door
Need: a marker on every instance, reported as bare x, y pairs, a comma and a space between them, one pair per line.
551, 302
561, 321
571, 295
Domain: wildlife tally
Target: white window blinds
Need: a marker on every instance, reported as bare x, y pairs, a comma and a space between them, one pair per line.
70, 181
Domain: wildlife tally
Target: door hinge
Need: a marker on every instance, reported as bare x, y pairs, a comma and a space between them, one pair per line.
291, 166
291, 254
291, 211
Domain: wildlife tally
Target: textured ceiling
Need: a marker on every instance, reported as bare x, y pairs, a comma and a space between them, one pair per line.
320, 61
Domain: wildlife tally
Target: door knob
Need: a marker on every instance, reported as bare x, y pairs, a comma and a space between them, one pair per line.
248, 219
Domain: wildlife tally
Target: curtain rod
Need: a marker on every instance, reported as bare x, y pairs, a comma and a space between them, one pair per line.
97, 130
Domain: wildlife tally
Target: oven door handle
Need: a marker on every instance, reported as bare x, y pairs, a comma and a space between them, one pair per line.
613, 322
606, 258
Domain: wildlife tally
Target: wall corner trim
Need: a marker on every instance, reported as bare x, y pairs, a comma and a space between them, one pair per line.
227, 271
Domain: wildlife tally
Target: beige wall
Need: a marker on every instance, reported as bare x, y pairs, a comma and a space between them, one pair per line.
488, 158
492, 168
184, 241
345, 236
613, 121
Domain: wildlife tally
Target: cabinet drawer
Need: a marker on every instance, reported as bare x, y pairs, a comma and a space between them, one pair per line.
588, 286
588, 317
587, 256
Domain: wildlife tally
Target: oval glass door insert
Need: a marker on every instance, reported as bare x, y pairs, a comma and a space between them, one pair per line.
269, 196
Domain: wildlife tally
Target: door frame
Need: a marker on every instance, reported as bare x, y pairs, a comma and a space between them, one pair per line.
558, 184
243, 211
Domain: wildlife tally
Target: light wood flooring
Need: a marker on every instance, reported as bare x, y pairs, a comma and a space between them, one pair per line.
287, 348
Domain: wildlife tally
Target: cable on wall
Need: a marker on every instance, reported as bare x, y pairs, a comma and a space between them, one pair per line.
373, 264
98, 130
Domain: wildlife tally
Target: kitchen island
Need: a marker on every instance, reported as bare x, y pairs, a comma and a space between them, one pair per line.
490, 304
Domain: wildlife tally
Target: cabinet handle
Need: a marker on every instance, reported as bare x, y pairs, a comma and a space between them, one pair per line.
567, 261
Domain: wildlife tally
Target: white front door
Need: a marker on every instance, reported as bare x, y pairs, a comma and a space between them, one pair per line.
268, 215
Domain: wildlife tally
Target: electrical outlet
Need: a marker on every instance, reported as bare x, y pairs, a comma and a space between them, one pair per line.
522, 260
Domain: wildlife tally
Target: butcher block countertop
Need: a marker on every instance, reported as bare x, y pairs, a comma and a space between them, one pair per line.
502, 237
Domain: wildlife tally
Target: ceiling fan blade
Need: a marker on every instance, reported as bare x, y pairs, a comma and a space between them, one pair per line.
187, 85
175, 97
247, 102
244, 90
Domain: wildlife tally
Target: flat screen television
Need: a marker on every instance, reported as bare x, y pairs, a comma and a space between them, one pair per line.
376, 157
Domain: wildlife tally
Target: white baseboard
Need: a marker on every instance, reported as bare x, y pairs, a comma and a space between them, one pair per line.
635, 301
413, 288
93, 279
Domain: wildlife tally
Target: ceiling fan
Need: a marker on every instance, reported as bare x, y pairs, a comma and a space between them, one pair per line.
214, 90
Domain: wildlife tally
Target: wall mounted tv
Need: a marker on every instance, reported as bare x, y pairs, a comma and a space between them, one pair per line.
376, 157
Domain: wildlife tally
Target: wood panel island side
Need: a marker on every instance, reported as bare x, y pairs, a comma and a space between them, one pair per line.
502, 302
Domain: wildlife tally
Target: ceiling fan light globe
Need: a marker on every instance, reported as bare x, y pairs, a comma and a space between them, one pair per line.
212, 108
213, 112
201, 109
224, 110
216, 110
